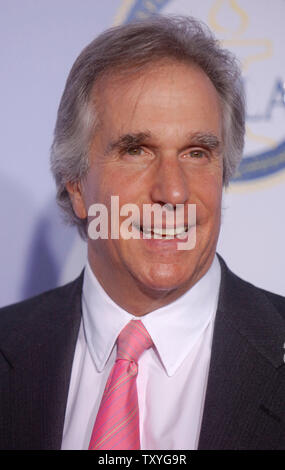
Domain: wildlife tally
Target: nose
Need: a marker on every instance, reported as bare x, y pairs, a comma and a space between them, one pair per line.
169, 182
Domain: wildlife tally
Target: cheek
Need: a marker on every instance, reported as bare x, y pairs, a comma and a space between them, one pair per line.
209, 197
129, 186
98, 186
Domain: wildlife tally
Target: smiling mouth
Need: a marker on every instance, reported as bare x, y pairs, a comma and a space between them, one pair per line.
162, 233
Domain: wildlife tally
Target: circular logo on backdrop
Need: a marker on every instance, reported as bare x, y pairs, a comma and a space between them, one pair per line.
257, 40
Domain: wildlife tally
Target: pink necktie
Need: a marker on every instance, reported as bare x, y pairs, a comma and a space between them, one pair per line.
117, 422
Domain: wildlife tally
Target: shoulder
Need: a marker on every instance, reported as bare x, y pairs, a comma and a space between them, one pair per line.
237, 292
277, 300
36, 312
255, 314
40, 302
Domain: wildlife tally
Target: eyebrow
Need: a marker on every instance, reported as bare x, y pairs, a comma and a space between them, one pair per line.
203, 139
128, 140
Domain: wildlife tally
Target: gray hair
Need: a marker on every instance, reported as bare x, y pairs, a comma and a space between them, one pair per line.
134, 45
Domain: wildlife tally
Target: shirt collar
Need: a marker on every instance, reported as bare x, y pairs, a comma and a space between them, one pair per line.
174, 328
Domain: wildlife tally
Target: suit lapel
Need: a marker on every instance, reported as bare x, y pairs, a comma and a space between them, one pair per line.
40, 359
244, 403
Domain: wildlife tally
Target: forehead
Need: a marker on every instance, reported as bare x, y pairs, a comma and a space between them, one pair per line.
161, 96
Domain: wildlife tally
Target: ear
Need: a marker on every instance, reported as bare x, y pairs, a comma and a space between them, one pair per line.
76, 197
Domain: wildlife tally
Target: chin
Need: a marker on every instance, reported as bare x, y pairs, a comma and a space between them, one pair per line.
164, 280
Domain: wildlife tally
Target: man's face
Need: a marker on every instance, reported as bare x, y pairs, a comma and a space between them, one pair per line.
158, 141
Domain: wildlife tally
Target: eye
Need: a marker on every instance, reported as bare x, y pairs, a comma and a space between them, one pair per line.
135, 151
197, 153
137, 154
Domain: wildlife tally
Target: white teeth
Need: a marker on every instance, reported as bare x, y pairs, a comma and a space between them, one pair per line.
164, 232
169, 232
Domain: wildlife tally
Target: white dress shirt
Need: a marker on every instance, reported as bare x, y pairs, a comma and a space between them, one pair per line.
172, 376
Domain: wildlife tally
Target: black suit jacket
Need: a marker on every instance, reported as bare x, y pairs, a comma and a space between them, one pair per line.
245, 397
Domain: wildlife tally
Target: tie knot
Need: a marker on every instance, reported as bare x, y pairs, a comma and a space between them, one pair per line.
132, 341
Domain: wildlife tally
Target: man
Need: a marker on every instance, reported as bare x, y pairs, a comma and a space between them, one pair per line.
152, 113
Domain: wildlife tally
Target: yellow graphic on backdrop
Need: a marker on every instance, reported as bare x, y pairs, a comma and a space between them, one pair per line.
264, 44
